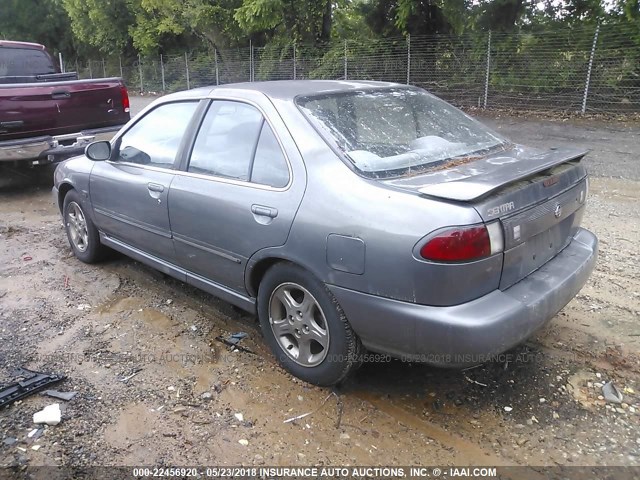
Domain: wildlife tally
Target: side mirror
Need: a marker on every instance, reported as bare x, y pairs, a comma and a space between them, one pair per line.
98, 151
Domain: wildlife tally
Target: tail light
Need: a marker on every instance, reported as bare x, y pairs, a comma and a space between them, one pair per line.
463, 244
124, 95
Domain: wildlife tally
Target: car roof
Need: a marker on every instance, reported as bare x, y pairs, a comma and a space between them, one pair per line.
286, 89
12, 44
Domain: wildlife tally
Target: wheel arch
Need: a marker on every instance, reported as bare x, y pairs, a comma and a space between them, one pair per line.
63, 189
258, 267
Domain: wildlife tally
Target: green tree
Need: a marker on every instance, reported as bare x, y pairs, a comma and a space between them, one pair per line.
211, 21
305, 21
40, 21
419, 17
101, 24
501, 15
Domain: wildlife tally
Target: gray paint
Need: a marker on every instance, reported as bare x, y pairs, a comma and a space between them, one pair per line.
357, 235
471, 333
346, 254
479, 177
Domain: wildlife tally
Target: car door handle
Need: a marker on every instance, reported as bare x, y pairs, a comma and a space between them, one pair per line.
155, 187
264, 211
60, 94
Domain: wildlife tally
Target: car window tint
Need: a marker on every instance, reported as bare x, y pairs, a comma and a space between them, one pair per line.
155, 139
226, 141
269, 166
16, 62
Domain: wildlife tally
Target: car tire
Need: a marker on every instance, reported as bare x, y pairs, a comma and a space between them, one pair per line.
305, 327
82, 234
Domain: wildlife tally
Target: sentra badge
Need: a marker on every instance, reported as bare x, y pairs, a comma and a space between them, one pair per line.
504, 208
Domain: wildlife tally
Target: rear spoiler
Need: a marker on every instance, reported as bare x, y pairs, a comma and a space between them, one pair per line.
482, 177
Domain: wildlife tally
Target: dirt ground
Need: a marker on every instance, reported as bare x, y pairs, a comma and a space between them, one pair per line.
155, 387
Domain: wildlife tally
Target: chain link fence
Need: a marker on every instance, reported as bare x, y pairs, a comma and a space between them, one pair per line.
593, 68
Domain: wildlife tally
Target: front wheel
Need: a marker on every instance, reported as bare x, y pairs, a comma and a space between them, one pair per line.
305, 327
82, 234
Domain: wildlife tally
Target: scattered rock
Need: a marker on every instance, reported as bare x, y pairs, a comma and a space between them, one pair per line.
51, 415
66, 396
611, 393
508, 409
243, 442
239, 417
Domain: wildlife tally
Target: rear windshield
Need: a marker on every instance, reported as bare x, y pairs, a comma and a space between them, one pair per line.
22, 62
394, 130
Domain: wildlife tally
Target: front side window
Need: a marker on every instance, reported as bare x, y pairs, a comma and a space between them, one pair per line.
155, 139
236, 142
390, 131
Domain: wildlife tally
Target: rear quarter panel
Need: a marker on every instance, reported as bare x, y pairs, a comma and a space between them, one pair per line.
389, 222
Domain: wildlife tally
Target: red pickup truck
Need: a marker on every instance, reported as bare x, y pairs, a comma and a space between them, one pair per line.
47, 116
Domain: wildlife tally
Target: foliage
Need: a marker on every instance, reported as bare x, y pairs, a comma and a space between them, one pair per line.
304, 21
99, 24
52, 27
537, 45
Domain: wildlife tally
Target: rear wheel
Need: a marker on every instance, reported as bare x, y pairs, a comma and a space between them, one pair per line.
305, 327
82, 234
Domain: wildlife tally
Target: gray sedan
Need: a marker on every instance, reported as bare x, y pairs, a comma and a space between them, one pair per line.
350, 216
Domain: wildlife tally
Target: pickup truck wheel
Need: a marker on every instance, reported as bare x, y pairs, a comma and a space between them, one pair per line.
305, 327
82, 234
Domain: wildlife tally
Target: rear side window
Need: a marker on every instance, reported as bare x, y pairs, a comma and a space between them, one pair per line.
235, 142
269, 166
155, 139
224, 145
21, 62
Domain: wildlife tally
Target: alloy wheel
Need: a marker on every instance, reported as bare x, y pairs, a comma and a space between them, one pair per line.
77, 227
298, 324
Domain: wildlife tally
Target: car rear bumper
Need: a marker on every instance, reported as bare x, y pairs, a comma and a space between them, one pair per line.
476, 331
48, 149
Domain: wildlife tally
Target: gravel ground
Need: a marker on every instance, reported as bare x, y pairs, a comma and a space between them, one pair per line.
155, 387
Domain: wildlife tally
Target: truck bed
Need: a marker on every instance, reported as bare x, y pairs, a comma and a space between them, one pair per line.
58, 108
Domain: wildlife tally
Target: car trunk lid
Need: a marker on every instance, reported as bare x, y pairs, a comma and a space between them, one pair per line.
537, 196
